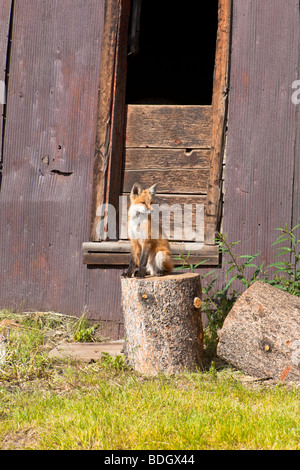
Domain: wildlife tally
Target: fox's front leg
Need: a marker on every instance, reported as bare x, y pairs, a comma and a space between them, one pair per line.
131, 267
134, 259
143, 262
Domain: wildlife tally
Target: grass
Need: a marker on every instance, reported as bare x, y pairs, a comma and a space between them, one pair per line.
53, 404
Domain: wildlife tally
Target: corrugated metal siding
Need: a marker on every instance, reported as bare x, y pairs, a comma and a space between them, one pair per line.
263, 124
48, 153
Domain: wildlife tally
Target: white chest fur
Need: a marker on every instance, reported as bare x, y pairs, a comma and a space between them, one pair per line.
138, 222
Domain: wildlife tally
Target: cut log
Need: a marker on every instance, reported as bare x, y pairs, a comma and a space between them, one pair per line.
162, 322
261, 334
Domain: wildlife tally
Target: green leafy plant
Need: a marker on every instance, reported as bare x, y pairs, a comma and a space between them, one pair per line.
245, 270
287, 276
116, 363
84, 332
186, 263
239, 265
216, 305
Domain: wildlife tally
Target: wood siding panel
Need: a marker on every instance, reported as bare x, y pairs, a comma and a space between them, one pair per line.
48, 153
168, 126
163, 146
208, 255
190, 181
5, 15
172, 159
262, 124
104, 293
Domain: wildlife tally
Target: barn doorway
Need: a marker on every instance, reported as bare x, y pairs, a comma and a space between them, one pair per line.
171, 53
170, 75
162, 109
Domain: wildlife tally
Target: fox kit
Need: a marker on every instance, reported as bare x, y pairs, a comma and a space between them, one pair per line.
151, 256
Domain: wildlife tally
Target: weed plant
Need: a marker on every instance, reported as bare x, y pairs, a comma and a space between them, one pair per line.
242, 272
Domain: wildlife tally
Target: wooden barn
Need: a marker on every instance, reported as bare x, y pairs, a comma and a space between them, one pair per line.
198, 97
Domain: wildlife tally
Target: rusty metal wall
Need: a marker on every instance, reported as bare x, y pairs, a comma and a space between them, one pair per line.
48, 154
261, 176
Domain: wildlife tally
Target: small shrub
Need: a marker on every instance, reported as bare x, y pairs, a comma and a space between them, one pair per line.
287, 276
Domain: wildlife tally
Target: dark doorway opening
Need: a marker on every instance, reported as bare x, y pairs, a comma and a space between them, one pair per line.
175, 56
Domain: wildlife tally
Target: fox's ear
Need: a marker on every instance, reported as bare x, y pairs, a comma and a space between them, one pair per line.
136, 190
152, 190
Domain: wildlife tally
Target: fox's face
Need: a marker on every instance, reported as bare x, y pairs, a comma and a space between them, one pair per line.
141, 200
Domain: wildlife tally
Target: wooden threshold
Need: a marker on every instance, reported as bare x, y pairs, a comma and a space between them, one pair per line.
118, 253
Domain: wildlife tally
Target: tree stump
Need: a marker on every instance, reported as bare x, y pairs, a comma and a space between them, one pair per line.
261, 334
162, 322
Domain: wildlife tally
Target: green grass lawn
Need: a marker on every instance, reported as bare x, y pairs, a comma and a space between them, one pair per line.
53, 404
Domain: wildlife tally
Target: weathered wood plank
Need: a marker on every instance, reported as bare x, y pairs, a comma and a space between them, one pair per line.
171, 199
124, 247
208, 254
169, 126
219, 108
190, 181
114, 179
111, 110
87, 352
174, 159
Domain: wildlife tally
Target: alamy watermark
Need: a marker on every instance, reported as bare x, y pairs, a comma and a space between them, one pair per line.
2, 350
174, 221
2, 92
296, 94
296, 353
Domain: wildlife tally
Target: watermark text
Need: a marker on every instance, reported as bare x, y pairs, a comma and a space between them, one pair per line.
2, 92
170, 221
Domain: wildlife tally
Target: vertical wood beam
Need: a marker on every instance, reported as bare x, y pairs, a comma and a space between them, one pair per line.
6, 7
110, 129
296, 179
219, 105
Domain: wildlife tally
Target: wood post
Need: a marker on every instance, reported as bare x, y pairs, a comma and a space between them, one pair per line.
219, 108
162, 321
261, 334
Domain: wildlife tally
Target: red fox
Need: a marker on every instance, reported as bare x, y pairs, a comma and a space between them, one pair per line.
151, 256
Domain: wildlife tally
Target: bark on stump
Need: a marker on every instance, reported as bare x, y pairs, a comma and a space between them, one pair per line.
162, 322
261, 334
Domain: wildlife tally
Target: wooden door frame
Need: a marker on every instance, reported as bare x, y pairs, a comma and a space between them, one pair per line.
219, 119
110, 128
110, 131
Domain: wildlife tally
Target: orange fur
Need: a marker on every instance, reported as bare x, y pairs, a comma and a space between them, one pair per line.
151, 256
